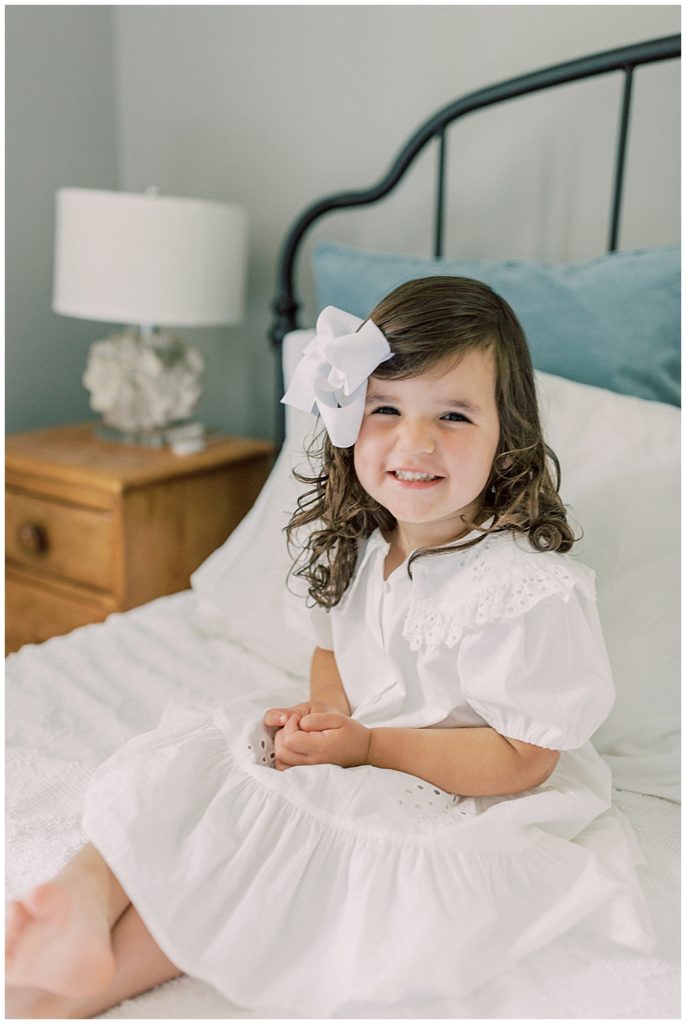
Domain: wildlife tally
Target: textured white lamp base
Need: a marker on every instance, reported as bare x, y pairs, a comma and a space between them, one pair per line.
144, 384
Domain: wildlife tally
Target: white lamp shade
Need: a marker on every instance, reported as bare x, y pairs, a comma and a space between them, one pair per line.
127, 258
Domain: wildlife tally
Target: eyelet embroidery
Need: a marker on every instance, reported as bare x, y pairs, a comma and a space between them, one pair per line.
261, 750
484, 589
434, 804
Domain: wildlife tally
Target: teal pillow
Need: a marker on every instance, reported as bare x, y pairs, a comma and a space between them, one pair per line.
613, 321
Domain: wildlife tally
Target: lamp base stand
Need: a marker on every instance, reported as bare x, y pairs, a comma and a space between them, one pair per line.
155, 438
182, 436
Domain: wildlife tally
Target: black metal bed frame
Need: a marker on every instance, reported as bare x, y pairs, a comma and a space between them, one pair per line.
625, 59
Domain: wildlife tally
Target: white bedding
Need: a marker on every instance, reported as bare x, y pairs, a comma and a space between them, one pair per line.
74, 699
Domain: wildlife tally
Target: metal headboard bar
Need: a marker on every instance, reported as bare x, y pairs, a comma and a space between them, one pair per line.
440, 197
621, 156
625, 59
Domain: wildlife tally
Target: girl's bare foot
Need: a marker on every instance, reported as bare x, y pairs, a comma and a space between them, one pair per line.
58, 940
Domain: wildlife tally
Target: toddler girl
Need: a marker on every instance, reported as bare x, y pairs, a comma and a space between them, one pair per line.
435, 811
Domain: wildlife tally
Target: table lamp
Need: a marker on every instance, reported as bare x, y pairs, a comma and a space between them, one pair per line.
149, 262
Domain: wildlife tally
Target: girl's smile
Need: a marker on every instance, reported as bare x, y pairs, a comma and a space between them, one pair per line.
414, 478
427, 444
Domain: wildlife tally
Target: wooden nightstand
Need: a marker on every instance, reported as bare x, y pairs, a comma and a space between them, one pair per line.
93, 526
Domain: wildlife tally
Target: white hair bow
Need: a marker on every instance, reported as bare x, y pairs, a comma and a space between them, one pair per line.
331, 377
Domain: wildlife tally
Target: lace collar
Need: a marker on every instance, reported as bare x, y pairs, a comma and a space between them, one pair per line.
500, 578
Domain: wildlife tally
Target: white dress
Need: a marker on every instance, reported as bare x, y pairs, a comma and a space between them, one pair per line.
321, 887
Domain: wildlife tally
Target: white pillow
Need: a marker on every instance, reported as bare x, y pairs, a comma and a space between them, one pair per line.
620, 476
241, 585
620, 459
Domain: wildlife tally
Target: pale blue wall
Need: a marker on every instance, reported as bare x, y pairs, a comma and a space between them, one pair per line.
275, 106
61, 129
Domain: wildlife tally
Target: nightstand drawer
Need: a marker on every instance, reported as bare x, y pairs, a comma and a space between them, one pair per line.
94, 526
37, 609
66, 540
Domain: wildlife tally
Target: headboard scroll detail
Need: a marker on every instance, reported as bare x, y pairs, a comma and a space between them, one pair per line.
624, 59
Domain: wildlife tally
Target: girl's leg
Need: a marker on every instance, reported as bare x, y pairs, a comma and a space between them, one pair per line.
58, 936
140, 965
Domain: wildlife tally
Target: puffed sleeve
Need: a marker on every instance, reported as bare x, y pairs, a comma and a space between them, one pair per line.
311, 621
542, 677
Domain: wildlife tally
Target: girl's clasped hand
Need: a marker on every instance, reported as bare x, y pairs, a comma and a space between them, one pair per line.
315, 732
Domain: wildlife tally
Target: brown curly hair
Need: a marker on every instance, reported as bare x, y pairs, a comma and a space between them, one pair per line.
424, 321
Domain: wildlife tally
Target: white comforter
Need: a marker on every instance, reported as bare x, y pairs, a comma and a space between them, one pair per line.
74, 700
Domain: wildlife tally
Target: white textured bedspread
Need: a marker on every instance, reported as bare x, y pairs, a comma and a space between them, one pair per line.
73, 700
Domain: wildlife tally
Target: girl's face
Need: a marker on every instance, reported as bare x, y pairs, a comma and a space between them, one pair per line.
427, 445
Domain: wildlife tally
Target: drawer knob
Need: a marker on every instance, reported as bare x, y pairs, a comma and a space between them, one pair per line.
32, 538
